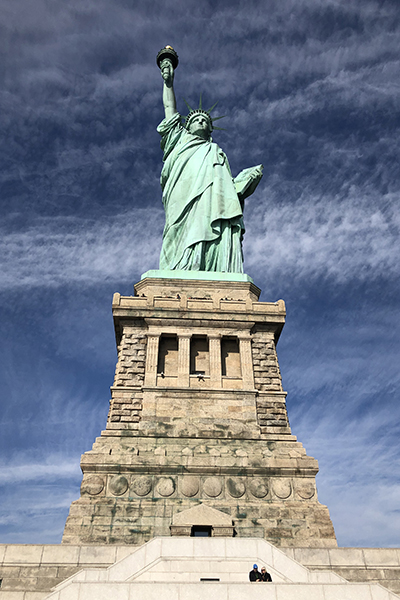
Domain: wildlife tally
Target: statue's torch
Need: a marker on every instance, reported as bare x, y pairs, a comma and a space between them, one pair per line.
167, 53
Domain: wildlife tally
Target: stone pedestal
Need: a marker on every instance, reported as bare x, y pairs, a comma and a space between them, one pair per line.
198, 416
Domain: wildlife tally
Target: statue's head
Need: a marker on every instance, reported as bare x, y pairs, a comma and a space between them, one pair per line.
199, 122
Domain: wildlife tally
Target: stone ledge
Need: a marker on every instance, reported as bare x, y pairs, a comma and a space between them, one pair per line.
368, 566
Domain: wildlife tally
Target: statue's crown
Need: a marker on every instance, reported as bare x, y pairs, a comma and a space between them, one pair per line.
207, 113
198, 111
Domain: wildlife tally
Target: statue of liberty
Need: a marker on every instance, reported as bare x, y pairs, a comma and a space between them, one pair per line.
203, 204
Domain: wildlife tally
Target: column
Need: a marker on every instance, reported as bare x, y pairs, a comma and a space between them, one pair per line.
150, 376
215, 361
246, 362
183, 360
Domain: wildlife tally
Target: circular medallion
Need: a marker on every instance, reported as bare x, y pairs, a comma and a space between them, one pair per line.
259, 487
212, 487
282, 489
190, 486
306, 490
142, 486
166, 486
118, 485
236, 487
92, 485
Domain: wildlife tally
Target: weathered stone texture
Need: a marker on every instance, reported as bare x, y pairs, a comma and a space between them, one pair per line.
125, 407
267, 376
284, 528
131, 358
272, 413
197, 415
258, 485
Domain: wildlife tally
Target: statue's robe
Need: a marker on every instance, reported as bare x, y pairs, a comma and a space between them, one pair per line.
203, 214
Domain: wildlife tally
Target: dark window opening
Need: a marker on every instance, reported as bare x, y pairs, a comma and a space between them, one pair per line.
201, 531
168, 356
230, 357
199, 356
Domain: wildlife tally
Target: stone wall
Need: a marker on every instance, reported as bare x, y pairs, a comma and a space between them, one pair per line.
373, 565
127, 398
258, 486
267, 375
33, 570
197, 414
28, 572
131, 357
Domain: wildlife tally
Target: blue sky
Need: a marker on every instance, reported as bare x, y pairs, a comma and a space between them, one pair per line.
310, 88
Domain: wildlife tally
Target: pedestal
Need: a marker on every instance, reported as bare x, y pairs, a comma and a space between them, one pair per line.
198, 417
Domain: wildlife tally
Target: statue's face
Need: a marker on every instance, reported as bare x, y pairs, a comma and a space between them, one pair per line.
200, 125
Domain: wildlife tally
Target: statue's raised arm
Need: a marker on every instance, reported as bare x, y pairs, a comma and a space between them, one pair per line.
167, 60
169, 101
203, 203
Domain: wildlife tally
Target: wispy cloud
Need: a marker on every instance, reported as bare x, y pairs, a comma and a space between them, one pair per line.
38, 514
54, 468
324, 237
358, 479
56, 252
315, 237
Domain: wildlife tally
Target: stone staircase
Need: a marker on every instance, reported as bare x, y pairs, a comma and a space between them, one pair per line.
204, 568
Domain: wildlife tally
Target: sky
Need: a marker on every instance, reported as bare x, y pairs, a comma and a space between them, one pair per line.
310, 89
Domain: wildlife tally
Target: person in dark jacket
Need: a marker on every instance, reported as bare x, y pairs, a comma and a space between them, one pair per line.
265, 576
255, 574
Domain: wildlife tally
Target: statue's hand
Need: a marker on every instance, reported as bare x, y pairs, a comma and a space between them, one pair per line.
257, 173
167, 71
247, 181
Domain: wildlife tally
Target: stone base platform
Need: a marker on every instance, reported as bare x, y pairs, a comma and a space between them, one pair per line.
160, 478
178, 568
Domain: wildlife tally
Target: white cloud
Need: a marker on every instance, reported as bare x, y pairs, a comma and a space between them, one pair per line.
308, 239
358, 478
323, 237
60, 251
52, 469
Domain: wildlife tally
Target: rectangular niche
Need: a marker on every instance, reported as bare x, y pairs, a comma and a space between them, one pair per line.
230, 358
199, 356
167, 367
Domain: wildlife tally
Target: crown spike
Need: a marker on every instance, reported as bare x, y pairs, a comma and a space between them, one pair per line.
187, 104
213, 106
200, 110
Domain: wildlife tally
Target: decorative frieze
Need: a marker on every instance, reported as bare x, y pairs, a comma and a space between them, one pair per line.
201, 488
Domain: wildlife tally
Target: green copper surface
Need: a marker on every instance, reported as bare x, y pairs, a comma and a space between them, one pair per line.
198, 275
203, 204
